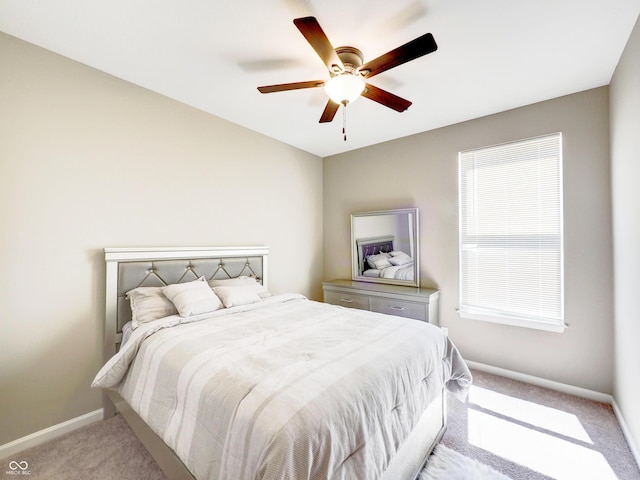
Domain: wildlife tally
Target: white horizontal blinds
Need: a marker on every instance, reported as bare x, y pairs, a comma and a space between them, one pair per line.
511, 232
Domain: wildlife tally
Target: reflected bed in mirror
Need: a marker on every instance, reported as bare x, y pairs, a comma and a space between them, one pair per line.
384, 246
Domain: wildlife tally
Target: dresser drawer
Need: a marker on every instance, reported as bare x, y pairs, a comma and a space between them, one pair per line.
409, 302
399, 308
352, 300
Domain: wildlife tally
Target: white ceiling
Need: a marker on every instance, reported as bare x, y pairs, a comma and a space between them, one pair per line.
493, 55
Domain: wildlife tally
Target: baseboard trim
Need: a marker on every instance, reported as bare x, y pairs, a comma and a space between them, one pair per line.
49, 433
543, 382
626, 432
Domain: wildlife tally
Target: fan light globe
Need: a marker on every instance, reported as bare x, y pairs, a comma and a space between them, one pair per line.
344, 88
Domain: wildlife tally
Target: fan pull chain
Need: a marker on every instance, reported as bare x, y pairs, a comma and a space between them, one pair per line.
344, 120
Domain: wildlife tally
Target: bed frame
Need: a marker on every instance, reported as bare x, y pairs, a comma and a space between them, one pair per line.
128, 268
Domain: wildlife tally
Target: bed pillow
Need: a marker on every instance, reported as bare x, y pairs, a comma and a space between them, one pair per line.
234, 296
395, 253
399, 260
378, 261
148, 304
192, 298
232, 282
245, 282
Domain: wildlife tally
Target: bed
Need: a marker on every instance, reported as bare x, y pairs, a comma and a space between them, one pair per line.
377, 258
276, 388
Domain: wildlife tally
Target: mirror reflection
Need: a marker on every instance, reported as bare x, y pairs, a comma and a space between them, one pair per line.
384, 246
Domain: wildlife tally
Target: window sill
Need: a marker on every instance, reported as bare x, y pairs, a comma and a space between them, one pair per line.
515, 322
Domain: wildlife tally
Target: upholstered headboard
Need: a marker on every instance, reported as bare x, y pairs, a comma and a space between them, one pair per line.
128, 268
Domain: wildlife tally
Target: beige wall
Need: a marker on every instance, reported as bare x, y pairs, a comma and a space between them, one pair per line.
421, 171
625, 173
89, 161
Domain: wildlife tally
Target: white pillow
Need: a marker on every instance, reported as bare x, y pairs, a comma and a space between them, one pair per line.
192, 298
234, 296
232, 282
395, 253
399, 260
245, 282
148, 304
378, 261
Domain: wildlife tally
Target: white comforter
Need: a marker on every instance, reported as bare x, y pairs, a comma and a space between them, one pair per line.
401, 272
284, 389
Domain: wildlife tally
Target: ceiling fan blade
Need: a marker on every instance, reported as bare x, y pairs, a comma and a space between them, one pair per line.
329, 111
312, 31
403, 54
385, 98
290, 86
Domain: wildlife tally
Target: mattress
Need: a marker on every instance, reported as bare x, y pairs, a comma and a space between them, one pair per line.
286, 388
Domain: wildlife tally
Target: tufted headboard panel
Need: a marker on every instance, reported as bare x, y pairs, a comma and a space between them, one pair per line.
157, 267
159, 273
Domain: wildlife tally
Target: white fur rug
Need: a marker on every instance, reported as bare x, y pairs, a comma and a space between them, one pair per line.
446, 464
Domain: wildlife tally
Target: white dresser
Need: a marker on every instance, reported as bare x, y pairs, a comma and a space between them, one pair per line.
410, 302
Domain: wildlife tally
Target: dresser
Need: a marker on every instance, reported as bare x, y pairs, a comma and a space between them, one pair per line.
409, 302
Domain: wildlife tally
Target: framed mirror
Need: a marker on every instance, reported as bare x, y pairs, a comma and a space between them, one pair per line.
384, 247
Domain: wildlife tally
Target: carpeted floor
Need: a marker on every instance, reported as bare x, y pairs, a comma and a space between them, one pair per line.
532, 433
523, 431
105, 450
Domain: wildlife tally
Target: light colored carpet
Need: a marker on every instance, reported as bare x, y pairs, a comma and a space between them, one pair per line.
105, 450
532, 447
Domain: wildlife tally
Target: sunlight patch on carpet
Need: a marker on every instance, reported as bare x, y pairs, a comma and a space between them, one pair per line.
550, 455
552, 419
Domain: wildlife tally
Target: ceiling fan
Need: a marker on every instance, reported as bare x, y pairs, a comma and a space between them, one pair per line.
348, 73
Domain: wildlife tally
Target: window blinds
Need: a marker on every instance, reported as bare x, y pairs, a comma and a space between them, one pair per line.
511, 265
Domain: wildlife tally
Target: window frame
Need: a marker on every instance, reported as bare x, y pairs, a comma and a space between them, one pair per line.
497, 315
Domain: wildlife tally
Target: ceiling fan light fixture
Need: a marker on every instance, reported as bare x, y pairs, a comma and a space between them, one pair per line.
345, 88
349, 74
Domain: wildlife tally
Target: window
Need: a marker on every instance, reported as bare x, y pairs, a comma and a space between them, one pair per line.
511, 261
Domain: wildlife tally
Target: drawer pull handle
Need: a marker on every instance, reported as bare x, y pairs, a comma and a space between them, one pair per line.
393, 307
346, 300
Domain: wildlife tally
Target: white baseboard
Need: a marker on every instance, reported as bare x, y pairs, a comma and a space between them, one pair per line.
626, 432
49, 433
571, 390
543, 382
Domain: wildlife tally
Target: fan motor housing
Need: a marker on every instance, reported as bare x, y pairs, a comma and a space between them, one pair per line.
350, 56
